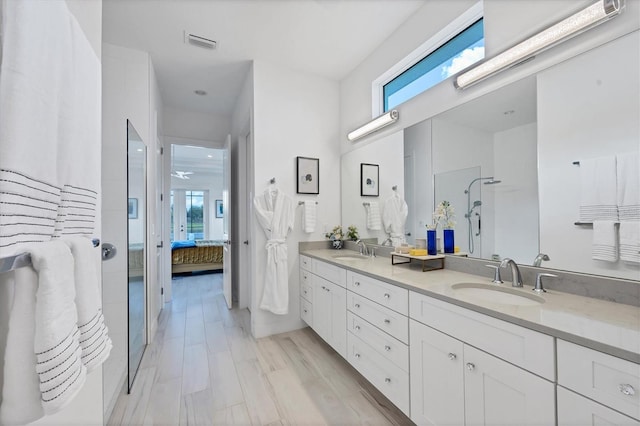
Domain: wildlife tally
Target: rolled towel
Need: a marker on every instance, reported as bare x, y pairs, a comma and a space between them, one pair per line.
598, 200
94, 340
309, 216
604, 241
630, 241
374, 221
628, 192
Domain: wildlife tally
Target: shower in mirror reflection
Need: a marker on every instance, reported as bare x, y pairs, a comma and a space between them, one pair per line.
471, 207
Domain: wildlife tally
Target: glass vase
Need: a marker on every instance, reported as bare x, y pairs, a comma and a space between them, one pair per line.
431, 242
448, 241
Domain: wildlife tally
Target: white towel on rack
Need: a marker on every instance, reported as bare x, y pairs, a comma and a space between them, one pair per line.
605, 246
94, 339
44, 320
628, 194
630, 241
374, 221
309, 216
598, 199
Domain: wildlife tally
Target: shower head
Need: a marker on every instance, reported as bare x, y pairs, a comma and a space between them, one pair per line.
492, 181
477, 203
489, 180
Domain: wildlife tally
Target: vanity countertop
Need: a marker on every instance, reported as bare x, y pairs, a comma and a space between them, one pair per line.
608, 327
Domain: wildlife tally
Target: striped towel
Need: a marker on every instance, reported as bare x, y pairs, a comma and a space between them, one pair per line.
604, 241
628, 192
598, 200
374, 220
630, 241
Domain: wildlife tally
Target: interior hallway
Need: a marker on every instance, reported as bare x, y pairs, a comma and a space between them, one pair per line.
205, 368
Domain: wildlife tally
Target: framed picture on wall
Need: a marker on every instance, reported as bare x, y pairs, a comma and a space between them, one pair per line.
369, 180
133, 208
308, 175
219, 209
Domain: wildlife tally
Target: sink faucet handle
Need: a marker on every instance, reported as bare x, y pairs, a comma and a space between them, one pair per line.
372, 252
539, 288
496, 274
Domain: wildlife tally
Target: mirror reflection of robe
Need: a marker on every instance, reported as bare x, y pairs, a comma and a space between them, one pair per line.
394, 217
276, 214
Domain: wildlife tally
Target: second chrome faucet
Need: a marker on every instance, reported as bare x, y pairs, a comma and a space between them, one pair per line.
516, 278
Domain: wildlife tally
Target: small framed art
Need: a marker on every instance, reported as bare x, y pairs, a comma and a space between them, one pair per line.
308, 175
219, 209
369, 180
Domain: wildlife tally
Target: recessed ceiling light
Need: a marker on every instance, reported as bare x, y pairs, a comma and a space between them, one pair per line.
139, 149
200, 92
210, 156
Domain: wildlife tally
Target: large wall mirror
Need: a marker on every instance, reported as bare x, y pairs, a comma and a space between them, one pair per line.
506, 161
137, 236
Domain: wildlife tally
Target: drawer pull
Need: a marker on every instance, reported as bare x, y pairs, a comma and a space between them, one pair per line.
387, 348
627, 389
357, 283
387, 321
452, 356
357, 305
324, 288
305, 292
327, 289
305, 311
387, 295
357, 327
304, 276
357, 355
387, 380
470, 366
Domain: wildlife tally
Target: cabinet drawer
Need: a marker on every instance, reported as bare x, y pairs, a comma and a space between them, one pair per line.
305, 262
389, 379
306, 288
526, 348
389, 295
306, 311
611, 381
385, 319
329, 272
576, 410
390, 348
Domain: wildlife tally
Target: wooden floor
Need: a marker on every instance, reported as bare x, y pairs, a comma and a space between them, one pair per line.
204, 368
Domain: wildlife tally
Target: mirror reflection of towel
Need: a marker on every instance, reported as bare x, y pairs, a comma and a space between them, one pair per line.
604, 241
374, 222
309, 217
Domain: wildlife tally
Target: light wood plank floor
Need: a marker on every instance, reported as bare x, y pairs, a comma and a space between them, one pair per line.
204, 368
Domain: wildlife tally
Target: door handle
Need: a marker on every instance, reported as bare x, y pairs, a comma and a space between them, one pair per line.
227, 242
109, 251
246, 243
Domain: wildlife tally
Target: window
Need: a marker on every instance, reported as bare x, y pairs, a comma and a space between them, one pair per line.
189, 213
195, 215
451, 50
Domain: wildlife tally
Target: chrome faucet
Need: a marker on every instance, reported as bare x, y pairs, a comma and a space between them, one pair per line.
516, 278
388, 240
539, 258
363, 248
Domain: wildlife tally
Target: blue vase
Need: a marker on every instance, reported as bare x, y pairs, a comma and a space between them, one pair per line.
448, 241
431, 242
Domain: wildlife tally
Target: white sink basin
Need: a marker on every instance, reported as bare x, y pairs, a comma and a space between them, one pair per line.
350, 257
496, 294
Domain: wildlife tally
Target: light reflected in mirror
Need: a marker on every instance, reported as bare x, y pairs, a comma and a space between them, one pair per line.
137, 231
527, 135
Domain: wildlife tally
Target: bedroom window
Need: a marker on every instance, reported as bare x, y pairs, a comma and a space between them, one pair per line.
195, 214
189, 214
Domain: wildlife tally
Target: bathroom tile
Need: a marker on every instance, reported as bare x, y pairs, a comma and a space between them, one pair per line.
195, 370
225, 385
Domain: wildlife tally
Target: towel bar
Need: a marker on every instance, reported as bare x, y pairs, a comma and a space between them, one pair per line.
302, 202
21, 260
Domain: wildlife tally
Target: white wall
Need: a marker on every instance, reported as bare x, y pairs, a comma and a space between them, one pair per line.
296, 114
182, 123
516, 197
600, 124
388, 154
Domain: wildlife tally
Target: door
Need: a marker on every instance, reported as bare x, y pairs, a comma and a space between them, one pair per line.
499, 393
321, 307
576, 410
337, 318
437, 377
226, 222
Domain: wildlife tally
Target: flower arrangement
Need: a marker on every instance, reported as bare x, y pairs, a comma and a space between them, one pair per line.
352, 233
335, 234
444, 215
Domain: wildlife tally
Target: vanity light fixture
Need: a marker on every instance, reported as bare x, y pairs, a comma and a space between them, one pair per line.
378, 123
587, 18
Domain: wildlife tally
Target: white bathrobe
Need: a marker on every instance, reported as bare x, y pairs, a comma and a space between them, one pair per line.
276, 214
394, 217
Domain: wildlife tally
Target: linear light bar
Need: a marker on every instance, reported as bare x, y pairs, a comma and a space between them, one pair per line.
378, 123
583, 20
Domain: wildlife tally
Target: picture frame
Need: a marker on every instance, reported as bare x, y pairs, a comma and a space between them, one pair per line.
132, 208
219, 209
369, 180
307, 175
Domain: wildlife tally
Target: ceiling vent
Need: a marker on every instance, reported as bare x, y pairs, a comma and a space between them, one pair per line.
198, 41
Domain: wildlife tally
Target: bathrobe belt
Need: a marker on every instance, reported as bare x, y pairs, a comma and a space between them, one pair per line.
274, 242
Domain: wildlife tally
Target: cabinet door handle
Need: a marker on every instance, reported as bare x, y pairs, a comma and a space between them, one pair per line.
357, 355
387, 348
357, 305
357, 283
328, 289
305, 291
470, 366
387, 380
324, 288
357, 327
387, 321
387, 295
452, 356
627, 389
304, 276
305, 311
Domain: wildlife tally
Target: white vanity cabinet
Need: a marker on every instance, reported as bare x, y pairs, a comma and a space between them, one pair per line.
453, 382
598, 384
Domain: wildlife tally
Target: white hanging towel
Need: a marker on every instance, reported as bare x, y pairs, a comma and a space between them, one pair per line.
628, 194
604, 246
598, 199
94, 339
276, 214
309, 216
394, 217
630, 241
43, 344
374, 221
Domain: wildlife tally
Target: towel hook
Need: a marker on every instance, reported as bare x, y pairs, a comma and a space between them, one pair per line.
394, 187
272, 181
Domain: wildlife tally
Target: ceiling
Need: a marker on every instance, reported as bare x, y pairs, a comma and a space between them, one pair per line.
325, 37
